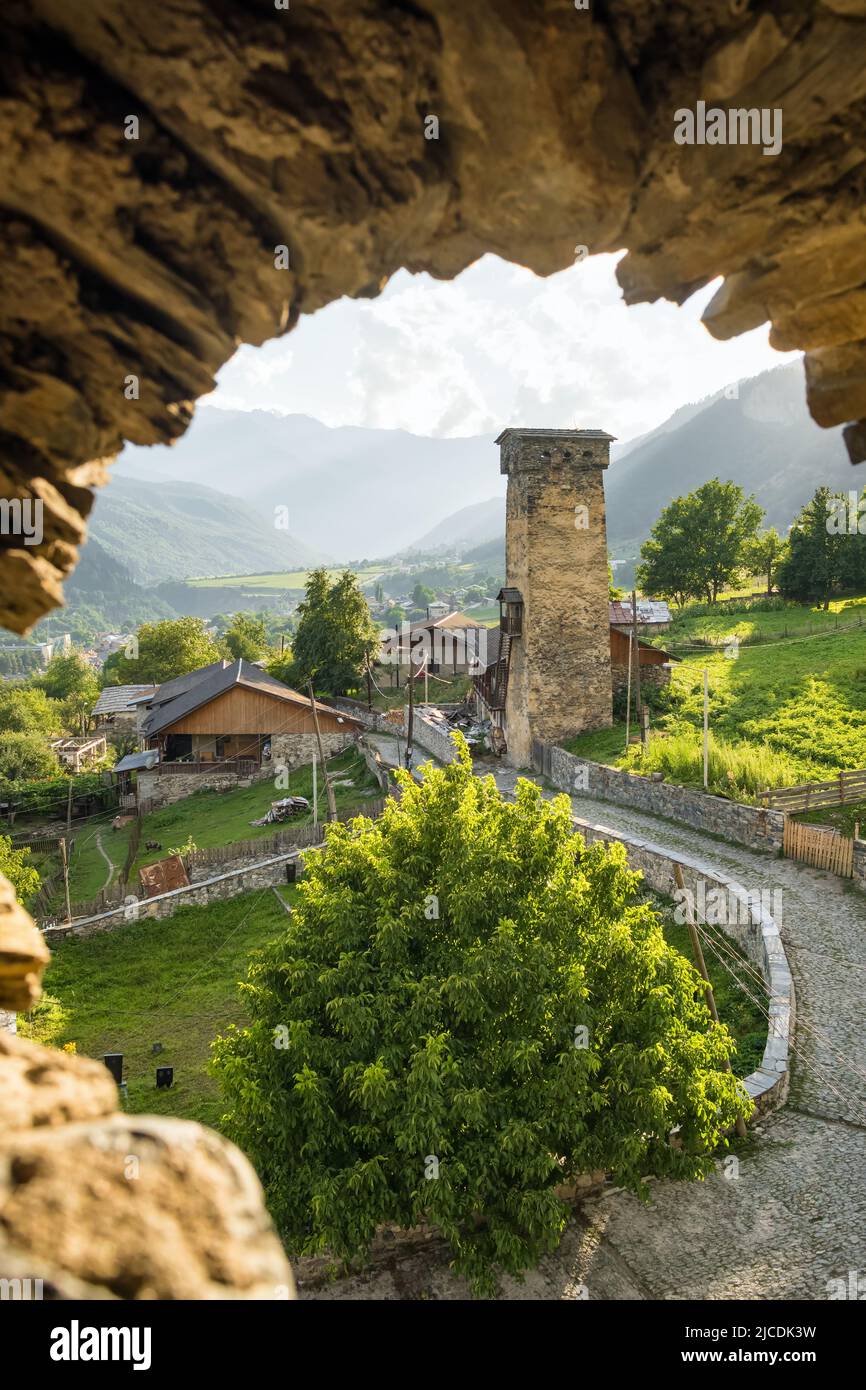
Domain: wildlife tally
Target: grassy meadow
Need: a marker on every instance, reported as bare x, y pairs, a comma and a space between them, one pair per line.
787, 705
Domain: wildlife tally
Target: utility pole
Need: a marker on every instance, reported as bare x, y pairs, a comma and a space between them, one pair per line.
332, 803
315, 794
411, 720
702, 967
706, 725
638, 708
64, 849
628, 695
369, 687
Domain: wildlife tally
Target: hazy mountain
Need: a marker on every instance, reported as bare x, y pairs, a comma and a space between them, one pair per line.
171, 530
764, 439
760, 436
467, 527
350, 492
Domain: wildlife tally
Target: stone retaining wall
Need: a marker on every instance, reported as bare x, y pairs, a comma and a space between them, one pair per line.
295, 750
164, 789
756, 933
432, 735
752, 826
266, 874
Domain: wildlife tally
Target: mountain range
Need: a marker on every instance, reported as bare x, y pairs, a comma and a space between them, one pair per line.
352, 492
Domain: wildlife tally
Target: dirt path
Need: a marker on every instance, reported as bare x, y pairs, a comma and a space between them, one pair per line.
793, 1219
109, 862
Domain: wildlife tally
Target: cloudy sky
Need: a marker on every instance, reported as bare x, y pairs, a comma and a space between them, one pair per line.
496, 346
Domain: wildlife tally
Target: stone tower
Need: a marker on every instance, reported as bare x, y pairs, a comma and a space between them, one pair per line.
556, 597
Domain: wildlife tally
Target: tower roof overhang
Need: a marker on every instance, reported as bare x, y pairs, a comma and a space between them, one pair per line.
519, 432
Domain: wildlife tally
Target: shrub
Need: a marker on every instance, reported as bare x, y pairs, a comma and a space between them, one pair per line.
416, 1049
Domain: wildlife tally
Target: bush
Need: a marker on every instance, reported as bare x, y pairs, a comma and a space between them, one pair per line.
416, 1051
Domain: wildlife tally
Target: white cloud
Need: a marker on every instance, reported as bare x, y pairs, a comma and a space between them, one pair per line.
496, 346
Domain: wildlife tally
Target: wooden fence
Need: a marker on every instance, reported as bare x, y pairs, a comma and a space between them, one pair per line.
809, 796
39, 844
819, 846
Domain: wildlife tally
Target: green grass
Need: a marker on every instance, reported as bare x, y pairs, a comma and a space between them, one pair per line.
173, 982
745, 1021
290, 579
782, 712
212, 819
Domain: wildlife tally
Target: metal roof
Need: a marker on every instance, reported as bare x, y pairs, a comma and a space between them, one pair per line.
509, 595
216, 680
134, 762
648, 611
117, 697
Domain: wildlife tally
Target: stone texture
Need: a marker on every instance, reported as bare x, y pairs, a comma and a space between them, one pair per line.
294, 750
559, 681
154, 257
23, 953
44, 1088
138, 1207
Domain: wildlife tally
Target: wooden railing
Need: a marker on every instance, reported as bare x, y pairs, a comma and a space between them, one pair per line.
809, 796
241, 767
819, 846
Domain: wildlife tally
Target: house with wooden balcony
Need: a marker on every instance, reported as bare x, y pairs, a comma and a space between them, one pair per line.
227, 724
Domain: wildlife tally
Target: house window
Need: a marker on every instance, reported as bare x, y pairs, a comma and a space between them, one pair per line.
220, 749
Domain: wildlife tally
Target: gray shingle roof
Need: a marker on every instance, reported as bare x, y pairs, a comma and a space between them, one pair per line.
117, 697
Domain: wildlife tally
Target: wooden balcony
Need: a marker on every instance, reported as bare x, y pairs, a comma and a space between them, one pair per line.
239, 767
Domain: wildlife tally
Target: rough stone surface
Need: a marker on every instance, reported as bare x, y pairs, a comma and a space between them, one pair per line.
559, 681
138, 1207
154, 257
42, 1087
294, 750
746, 825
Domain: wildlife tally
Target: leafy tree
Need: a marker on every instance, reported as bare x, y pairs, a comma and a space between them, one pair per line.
467, 1008
25, 757
698, 543
26, 710
335, 633
474, 595
613, 590
825, 555
246, 637
421, 596
67, 674
166, 649
15, 865
764, 553
282, 665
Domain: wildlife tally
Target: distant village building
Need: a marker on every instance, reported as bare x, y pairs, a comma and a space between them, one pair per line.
116, 710
444, 644
653, 615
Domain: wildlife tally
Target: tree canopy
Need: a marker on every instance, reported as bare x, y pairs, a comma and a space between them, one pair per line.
467, 1008
25, 710
25, 757
246, 637
335, 634
826, 550
15, 865
698, 544
165, 649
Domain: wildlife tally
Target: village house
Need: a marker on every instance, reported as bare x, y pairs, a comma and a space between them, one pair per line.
443, 643
116, 711
226, 724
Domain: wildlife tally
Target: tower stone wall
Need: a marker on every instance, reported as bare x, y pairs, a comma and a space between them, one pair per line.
556, 555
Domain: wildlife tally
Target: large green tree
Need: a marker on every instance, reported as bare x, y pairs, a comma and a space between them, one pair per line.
246, 636
335, 634
468, 1008
68, 674
16, 866
26, 710
165, 650
699, 542
764, 554
25, 758
826, 550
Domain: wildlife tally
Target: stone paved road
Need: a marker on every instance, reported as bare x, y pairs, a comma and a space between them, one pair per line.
795, 1217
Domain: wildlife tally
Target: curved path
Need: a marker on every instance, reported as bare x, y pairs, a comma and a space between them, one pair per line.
792, 1218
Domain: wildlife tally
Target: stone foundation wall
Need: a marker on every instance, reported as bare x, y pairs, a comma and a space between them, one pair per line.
294, 750
745, 825
159, 790
267, 874
657, 676
430, 734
